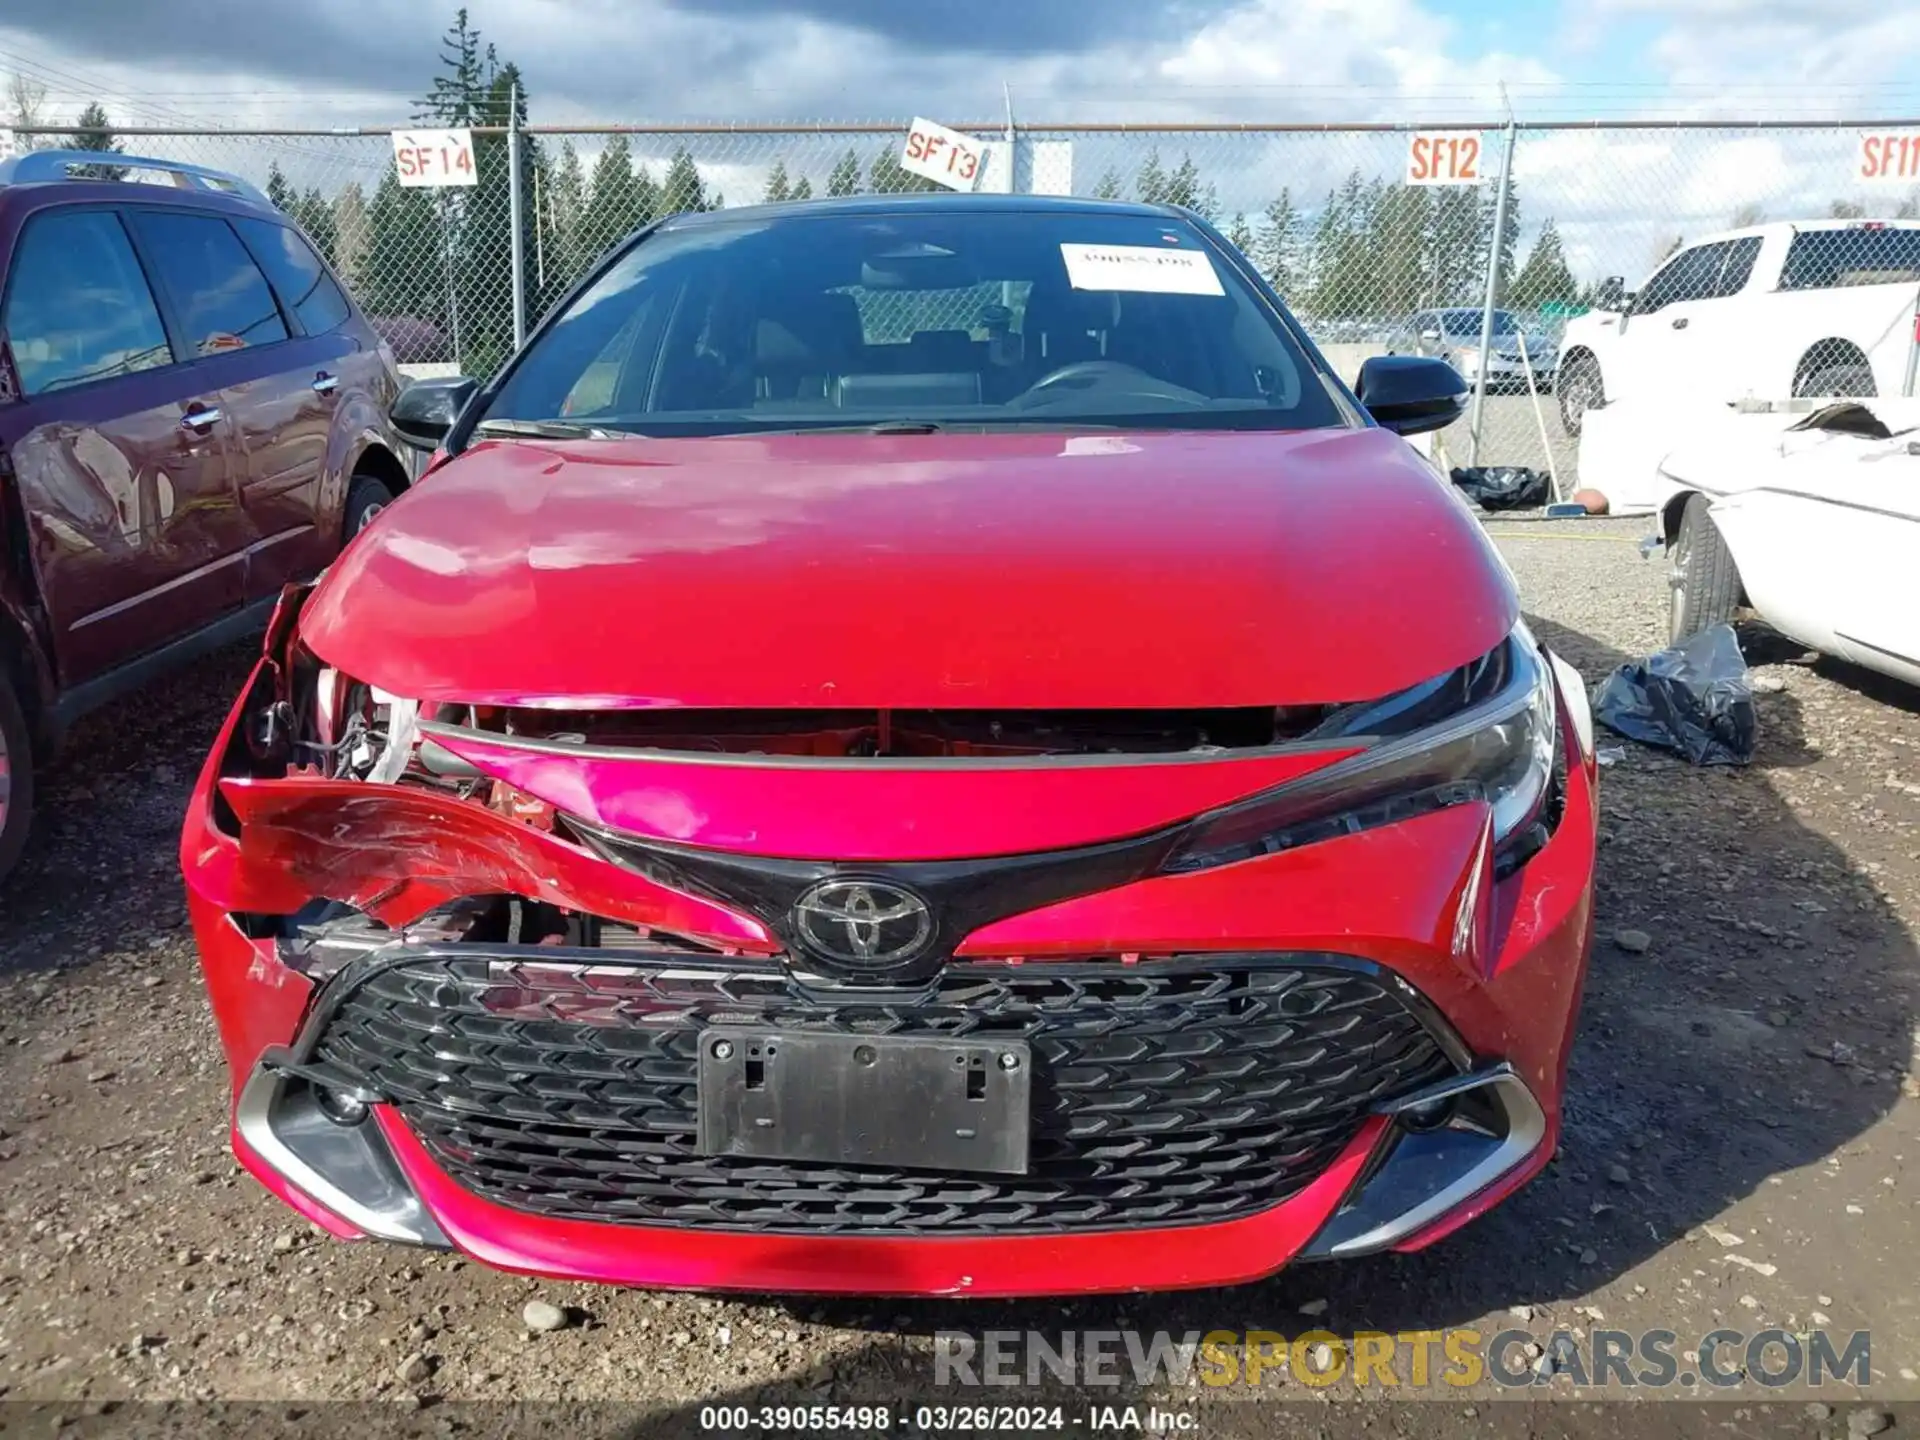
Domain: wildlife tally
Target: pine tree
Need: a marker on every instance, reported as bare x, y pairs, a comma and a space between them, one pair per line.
1503, 274
887, 176
404, 269
682, 190
350, 233
1240, 235
1151, 185
618, 201
1277, 251
802, 189
278, 190
314, 215
1183, 186
1109, 187
778, 188
95, 132
456, 96
845, 179
565, 251
1545, 277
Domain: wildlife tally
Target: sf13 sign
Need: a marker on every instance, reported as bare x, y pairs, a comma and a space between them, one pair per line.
1443, 157
943, 156
433, 157
1888, 157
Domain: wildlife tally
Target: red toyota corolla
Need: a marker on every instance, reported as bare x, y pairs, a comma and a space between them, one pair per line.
919, 745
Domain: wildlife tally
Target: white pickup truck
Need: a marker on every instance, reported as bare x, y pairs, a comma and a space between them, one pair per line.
1820, 307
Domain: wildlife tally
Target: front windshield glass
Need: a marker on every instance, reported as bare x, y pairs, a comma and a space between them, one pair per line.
959, 319
1466, 323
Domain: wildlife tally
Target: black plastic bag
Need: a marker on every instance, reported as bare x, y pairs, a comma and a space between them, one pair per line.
1502, 487
1693, 698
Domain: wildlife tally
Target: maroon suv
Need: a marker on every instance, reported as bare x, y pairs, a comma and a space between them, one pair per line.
192, 414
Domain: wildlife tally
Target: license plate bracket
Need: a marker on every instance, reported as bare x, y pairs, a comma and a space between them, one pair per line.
903, 1102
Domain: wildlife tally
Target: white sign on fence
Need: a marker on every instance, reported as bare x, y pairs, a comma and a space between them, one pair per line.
1443, 157
944, 156
434, 157
1888, 157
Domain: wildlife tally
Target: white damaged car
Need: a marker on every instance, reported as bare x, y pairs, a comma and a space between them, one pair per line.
1814, 527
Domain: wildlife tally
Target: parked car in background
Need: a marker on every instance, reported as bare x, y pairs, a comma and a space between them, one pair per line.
1813, 525
794, 801
1452, 334
1809, 308
192, 415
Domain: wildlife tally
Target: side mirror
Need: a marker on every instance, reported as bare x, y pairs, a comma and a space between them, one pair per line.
1611, 295
1411, 394
426, 409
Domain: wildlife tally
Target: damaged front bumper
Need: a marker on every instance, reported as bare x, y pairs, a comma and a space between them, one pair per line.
529, 1097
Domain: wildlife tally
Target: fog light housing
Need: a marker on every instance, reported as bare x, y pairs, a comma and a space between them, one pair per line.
1429, 1114
342, 1107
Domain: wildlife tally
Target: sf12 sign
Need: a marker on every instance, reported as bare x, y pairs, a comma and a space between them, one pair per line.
943, 156
1443, 157
1888, 157
433, 157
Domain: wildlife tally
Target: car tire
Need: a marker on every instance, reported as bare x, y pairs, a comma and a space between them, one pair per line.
1851, 382
1578, 388
1703, 582
366, 498
16, 775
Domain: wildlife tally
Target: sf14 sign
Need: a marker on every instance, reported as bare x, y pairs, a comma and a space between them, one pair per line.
433, 157
944, 156
1888, 157
1443, 157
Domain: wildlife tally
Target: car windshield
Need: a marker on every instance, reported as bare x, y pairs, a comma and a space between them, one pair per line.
951, 318
1466, 323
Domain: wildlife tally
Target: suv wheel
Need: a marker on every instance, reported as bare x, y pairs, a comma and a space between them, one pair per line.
16, 775
366, 498
1579, 389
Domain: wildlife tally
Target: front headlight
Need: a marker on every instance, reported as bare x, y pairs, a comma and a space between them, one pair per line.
1500, 749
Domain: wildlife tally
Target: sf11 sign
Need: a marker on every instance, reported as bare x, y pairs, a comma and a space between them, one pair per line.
1888, 157
943, 156
433, 157
1443, 157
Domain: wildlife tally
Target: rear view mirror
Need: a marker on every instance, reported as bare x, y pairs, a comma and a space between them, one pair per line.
426, 409
1411, 394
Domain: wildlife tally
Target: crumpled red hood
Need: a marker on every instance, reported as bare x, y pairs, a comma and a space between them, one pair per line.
1018, 570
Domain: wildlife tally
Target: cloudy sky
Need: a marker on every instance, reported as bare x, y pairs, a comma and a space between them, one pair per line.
353, 62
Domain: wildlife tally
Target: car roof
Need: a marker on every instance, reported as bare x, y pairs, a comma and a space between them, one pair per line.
947, 202
43, 172
1790, 227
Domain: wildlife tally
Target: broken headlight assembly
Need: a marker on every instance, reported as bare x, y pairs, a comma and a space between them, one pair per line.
1488, 732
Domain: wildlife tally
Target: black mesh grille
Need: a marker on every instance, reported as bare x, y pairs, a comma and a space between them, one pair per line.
1164, 1092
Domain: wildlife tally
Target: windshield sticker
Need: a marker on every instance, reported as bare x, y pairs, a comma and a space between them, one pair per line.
1140, 267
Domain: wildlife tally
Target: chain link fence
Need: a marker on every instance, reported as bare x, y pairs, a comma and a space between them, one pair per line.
1369, 262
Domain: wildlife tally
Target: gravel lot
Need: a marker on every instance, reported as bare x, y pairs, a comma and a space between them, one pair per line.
1742, 1148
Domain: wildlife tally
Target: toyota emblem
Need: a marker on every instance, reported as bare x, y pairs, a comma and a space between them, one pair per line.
862, 924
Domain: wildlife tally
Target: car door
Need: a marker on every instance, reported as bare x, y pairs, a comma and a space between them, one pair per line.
124, 467
322, 363
1708, 349
1654, 345
229, 317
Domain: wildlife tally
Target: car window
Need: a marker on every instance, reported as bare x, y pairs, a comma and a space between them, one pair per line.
296, 272
1691, 275
1857, 255
1738, 268
970, 318
77, 305
219, 296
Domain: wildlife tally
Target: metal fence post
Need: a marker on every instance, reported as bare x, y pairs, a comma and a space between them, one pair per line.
1493, 282
518, 243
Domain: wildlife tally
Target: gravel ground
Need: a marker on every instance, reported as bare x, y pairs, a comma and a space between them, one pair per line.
1741, 1149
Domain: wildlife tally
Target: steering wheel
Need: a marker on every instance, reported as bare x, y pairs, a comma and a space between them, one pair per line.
1132, 380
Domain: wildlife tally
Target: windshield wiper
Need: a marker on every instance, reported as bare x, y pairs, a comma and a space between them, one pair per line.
545, 430
930, 427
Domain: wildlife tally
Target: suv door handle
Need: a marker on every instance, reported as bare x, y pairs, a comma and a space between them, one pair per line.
202, 419
1680, 323
325, 384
